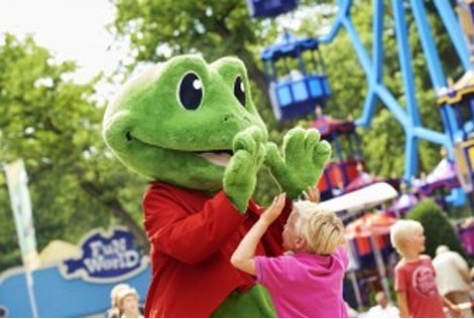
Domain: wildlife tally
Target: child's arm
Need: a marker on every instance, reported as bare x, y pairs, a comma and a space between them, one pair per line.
243, 257
452, 308
312, 194
402, 304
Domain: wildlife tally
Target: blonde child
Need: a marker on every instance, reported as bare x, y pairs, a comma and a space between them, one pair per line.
128, 303
308, 281
114, 311
415, 279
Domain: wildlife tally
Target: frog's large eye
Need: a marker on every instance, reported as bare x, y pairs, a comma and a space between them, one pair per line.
190, 91
239, 90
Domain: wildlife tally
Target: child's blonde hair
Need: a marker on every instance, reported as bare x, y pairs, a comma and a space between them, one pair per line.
116, 291
321, 228
401, 231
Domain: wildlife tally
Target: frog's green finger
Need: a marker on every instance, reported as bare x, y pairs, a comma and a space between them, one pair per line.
321, 153
273, 157
294, 141
244, 141
233, 172
258, 135
311, 138
260, 155
237, 186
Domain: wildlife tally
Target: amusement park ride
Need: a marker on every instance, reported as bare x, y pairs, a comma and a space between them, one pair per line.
298, 86
297, 83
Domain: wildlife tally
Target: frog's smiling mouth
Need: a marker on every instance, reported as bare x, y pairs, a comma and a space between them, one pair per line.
216, 157
219, 158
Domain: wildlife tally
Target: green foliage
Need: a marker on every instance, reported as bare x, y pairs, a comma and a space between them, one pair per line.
54, 126
218, 26
438, 228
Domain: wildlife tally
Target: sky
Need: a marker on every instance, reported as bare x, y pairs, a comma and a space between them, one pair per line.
70, 29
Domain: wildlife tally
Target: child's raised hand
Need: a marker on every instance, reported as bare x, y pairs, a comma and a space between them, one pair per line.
275, 209
312, 194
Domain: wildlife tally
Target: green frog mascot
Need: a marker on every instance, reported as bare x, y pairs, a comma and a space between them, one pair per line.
193, 130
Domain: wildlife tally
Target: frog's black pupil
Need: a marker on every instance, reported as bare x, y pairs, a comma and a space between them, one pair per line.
239, 90
190, 91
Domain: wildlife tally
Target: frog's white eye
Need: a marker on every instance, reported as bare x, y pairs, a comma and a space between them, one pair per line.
239, 90
190, 91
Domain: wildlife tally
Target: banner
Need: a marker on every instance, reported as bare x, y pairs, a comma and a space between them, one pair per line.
17, 182
106, 256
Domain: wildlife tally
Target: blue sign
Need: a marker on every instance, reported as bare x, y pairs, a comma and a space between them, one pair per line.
106, 257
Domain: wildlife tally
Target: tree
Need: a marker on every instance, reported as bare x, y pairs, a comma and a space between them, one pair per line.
54, 125
438, 228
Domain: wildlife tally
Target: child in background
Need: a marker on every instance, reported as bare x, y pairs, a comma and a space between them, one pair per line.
308, 281
128, 303
452, 277
415, 279
114, 311
117, 295
383, 309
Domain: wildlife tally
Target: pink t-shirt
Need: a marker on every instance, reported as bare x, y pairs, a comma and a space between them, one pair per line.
417, 280
305, 285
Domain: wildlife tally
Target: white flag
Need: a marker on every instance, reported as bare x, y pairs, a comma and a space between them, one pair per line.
17, 182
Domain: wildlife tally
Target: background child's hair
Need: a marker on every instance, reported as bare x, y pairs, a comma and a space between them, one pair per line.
115, 292
321, 228
401, 230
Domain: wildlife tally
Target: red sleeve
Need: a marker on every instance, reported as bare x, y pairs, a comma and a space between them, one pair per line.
189, 236
272, 240
400, 279
286, 213
278, 225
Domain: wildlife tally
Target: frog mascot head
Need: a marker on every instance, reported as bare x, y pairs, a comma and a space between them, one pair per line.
192, 128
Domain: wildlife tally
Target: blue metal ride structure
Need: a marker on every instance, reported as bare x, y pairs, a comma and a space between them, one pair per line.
453, 102
407, 116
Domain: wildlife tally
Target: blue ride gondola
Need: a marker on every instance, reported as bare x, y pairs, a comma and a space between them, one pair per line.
270, 8
457, 109
295, 72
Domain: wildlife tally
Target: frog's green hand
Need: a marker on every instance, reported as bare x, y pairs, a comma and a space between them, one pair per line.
240, 176
301, 161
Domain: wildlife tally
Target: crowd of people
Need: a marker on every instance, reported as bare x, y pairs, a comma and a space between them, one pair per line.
314, 238
424, 287
316, 257
415, 276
